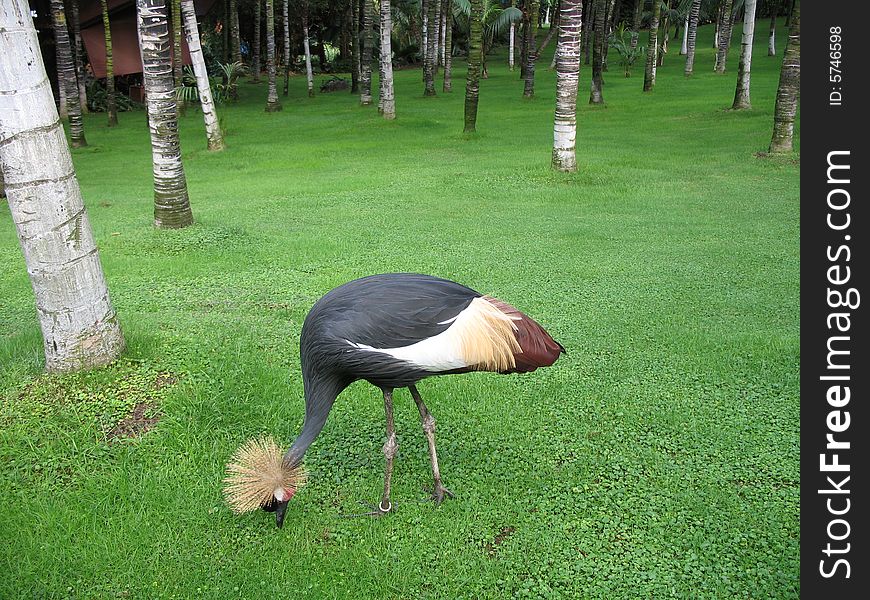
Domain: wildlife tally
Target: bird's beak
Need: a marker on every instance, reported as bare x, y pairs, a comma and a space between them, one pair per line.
280, 509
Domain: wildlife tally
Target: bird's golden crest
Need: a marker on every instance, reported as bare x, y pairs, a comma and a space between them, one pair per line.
256, 471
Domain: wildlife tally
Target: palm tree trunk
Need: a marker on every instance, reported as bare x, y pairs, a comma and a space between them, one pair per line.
719, 12
365, 75
724, 37
424, 27
388, 101
209, 114
684, 47
111, 106
445, 8
771, 37
789, 86
306, 45
692, 36
448, 49
741, 94
355, 38
635, 24
608, 27
475, 56
436, 35
171, 202
534, 9
431, 57
255, 44
649, 77
660, 57
512, 42
596, 95
287, 59
177, 32
235, 39
66, 76
567, 77
80, 328
272, 103
587, 29
79, 56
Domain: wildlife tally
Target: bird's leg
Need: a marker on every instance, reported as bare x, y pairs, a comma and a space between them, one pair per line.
428, 422
390, 449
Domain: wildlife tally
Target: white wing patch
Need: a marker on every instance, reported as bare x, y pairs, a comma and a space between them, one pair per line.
481, 337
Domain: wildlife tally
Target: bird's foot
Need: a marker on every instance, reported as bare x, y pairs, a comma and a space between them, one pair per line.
439, 493
377, 510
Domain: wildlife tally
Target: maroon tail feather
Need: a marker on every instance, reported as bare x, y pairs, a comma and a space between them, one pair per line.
539, 348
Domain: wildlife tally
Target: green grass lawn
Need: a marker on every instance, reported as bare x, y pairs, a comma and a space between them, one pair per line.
659, 458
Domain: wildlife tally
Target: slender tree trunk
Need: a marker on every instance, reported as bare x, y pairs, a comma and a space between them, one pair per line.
789, 86
209, 114
309, 73
635, 24
741, 94
80, 329
596, 95
67, 76
692, 35
171, 202
79, 54
445, 8
365, 77
512, 38
287, 58
551, 32
388, 101
724, 37
235, 38
255, 44
272, 103
649, 77
111, 106
718, 26
448, 49
225, 32
684, 48
771, 37
608, 27
475, 52
587, 33
534, 15
424, 18
660, 57
436, 34
431, 57
355, 38
567, 77
177, 32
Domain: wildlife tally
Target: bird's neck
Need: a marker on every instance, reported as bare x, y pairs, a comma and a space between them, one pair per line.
320, 394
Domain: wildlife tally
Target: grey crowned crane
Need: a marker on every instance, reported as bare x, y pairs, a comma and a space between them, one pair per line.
391, 330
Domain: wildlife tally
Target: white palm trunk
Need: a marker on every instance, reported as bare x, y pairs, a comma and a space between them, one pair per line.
444, 10
286, 47
387, 100
79, 326
568, 51
171, 202
209, 113
741, 94
511, 47
309, 73
424, 9
684, 48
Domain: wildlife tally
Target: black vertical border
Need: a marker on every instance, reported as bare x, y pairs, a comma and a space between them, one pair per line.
826, 128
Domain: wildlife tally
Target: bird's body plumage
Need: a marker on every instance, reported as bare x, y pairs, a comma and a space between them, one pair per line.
368, 328
392, 330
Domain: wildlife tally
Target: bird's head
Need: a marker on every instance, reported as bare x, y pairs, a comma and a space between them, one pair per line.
259, 476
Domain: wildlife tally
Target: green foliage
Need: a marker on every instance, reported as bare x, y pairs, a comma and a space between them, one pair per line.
97, 98
620, 40
658, 459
